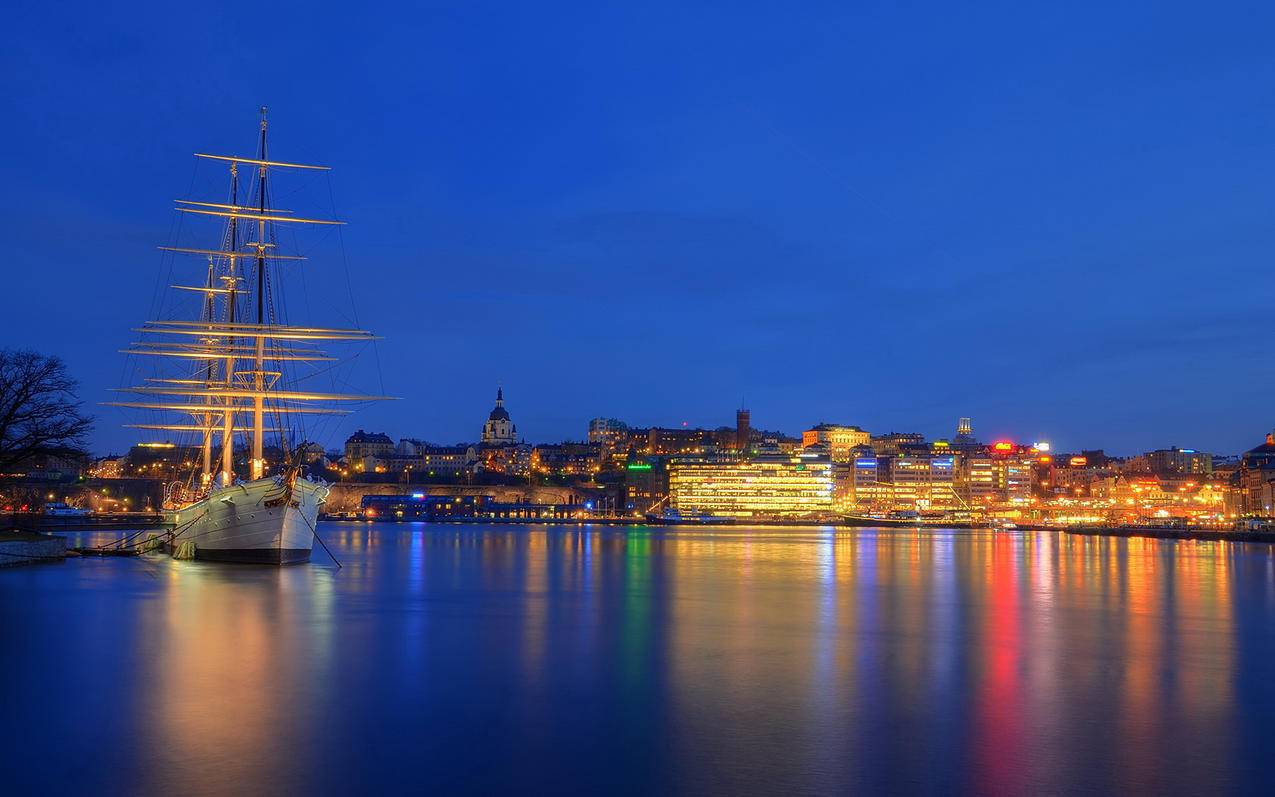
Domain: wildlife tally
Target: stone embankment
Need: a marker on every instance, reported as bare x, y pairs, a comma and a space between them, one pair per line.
27, 548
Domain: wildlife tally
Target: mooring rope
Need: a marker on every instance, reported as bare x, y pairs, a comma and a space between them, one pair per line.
326, 549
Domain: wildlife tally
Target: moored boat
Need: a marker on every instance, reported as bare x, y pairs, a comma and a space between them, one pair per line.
241, 379
672, 517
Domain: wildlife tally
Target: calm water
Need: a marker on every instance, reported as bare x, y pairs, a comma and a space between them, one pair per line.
531, 659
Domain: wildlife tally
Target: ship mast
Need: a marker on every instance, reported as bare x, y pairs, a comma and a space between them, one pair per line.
216, 394
232, 281
210, 310
257, 462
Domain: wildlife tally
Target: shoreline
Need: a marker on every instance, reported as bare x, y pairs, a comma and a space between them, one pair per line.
1149, 532
19, 548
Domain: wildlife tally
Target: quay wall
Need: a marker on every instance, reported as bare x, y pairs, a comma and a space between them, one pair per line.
30, 551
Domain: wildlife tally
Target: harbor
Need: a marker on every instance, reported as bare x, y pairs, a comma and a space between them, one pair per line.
637, 399
673, 648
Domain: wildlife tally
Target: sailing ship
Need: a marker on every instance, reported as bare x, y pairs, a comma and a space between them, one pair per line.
241, 379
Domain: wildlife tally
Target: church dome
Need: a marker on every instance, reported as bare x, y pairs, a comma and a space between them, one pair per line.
499, 428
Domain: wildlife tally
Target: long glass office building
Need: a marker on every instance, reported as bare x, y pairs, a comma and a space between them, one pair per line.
775, 486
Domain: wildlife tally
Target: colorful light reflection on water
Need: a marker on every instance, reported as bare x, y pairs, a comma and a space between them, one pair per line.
732, 660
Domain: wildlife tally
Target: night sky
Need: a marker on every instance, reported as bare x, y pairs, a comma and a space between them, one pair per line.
1057, 220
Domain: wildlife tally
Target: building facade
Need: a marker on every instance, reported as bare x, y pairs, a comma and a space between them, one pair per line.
777, 486
361, 445
499, 428
839, 440
446, 461
1173, 461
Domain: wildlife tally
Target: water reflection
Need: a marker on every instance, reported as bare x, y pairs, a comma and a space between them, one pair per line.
733, 660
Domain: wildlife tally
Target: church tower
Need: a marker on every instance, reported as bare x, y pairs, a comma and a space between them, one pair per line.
499, 430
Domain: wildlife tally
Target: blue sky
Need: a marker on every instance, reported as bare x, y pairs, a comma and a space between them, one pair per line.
1055, 219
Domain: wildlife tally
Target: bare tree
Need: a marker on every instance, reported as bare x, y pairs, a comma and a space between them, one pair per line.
39, 410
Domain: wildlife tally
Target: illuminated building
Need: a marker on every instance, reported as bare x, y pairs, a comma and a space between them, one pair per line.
895, 442
422, 507
418, 506
509, 460
445, 460
567, 459
1074, 476
1014, 479
606, 430
108, 467
645, 486
1256, 480
839, 440
975, 479
1013, 472
361, 445
680, 442
921, 482
1167, 461
499, 429
166, 461
867, 490
768, 486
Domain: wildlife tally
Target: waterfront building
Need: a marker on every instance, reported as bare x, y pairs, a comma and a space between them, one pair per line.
422, 507
1013, 478
743, 430
644, 485
975, 479
1255, 481
838, 439
361, 445
767, 486
499, 428
418, 506
867, 490
920, 482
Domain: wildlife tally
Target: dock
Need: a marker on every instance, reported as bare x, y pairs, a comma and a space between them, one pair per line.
1165, 533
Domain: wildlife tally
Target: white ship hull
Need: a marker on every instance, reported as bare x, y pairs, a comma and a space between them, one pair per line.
257, 522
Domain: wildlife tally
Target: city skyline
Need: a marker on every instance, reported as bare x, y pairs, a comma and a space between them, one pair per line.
352, 427
665, 398
803, 214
